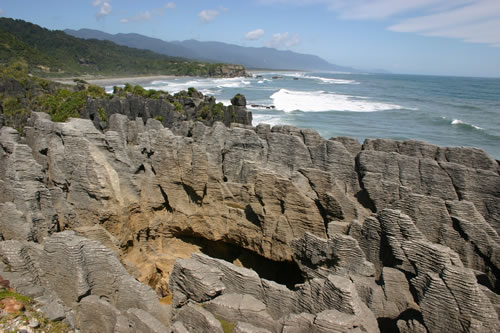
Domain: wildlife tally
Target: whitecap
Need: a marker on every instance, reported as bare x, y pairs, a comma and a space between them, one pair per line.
267, 119
463, 123
159, 82
330, 81
296, 74
226, 102
318, 101
210, 92
260, 81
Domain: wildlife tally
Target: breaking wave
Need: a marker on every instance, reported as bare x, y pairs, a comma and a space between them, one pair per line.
319, 101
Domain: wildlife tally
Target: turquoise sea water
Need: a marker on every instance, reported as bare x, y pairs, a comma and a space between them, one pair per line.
448, 111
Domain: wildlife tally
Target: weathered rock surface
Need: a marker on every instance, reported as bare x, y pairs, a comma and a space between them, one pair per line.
387, 235
81, 276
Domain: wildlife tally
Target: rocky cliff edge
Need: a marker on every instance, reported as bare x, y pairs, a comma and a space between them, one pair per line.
263, 229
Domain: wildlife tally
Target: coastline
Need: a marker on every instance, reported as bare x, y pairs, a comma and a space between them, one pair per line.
112, 80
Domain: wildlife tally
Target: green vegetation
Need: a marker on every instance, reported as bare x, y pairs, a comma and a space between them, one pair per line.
178, 107
54, 53
212, 111
25, 92
63, 104
28, 314
4, 294
192, 92
218, 109
139, 91
227, 326
102, 113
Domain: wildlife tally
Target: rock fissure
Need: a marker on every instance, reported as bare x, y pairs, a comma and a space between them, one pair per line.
336, 238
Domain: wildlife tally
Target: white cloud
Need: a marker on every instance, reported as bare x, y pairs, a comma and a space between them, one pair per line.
1, 12
478, 22
208, 15
283, 41
143, 16
475, 21
254, 34
105, 8
170, 5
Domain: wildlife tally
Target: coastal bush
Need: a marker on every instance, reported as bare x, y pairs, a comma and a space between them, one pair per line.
63, 104
178, 107
159, 118
205, 112
17, 69
102, 113
192, 91
96, 91
156, 94
217, 109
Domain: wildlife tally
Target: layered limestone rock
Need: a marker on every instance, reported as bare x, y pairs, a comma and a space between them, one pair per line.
271, 229
86, 281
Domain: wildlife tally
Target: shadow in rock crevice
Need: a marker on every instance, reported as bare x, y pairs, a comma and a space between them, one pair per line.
282, 272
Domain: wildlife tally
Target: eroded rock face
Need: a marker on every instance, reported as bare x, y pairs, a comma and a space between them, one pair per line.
340, 236
78, 275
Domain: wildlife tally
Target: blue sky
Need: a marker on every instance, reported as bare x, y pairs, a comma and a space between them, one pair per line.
440, 37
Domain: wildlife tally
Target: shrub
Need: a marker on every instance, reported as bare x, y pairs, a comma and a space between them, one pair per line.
159, 118
205, 112
102, 113
96, 91
63, 104
217, 109
178, 107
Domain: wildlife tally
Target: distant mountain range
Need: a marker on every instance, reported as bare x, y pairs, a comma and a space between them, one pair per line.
55, 53
250, 57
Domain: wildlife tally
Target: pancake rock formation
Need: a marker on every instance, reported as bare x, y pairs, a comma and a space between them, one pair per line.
134, 227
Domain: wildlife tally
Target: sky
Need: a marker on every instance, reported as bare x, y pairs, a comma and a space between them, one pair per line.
430, 37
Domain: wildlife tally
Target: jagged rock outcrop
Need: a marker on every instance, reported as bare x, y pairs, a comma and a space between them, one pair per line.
170, 110
274, 228
239, 294
81, 280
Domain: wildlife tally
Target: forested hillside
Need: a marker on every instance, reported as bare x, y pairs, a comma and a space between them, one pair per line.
54, 53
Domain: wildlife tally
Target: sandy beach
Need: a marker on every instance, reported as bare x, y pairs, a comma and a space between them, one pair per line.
109, 81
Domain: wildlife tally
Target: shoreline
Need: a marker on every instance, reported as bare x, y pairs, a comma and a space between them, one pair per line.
113, 80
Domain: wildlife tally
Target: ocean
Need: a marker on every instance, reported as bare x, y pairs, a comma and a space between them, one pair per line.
447, 111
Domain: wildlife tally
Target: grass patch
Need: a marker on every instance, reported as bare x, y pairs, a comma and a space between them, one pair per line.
4, 294
227, 326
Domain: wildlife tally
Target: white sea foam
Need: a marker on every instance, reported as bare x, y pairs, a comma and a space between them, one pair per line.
260, 81
330, 81
296, 74
177, 85
226, 102
236, 82
318, 101
463, 123
159, 82
210, 91
267, 119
